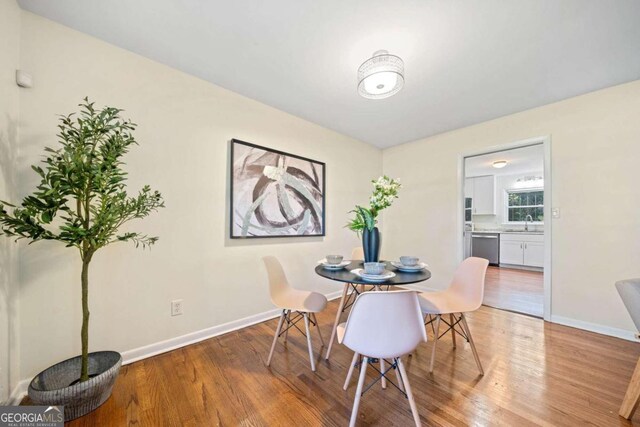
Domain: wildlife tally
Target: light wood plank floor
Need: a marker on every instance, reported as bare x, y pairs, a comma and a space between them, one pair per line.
536, 374
515, 290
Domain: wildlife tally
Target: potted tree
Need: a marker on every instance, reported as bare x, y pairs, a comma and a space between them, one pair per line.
82, 202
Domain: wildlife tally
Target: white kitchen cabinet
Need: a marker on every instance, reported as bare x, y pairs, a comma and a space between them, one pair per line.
484, 188
534, 254
522, 249
481, 190
468, 187
511, 252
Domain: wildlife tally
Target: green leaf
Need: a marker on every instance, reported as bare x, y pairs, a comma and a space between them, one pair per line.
83, 178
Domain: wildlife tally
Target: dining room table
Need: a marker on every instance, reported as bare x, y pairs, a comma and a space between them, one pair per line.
354, 284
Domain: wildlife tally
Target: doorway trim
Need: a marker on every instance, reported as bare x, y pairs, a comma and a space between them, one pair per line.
546, 143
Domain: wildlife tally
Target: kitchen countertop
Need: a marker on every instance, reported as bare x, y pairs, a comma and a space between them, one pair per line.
504, 232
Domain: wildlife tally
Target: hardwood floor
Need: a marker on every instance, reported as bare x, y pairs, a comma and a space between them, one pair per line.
514, 290
536, 373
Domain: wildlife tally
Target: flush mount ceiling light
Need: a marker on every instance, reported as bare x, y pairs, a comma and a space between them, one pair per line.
380, 76
499, 164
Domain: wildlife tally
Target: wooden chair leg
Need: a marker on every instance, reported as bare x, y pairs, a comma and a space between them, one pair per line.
337, 321
452, 319
407, 387
288, 319
436, 332
632, 396
399, 378
350, 372
275, 337
306, 326
383, 380
356, 402
427, 318
315, 319
473, 346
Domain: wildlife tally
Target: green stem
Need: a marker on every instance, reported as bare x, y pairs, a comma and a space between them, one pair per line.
84, 372
86, 259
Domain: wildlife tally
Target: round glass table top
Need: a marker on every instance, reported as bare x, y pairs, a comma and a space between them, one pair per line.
345, 275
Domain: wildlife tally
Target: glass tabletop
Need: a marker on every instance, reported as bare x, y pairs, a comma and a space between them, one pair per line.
345, 275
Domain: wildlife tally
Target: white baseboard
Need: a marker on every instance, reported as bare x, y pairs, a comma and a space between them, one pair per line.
594, 327
160, 347
522, 267
133, 355
568, 321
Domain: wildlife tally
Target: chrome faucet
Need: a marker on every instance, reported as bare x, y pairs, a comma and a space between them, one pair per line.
526, 222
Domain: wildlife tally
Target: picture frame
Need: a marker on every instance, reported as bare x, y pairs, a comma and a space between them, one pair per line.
274, 193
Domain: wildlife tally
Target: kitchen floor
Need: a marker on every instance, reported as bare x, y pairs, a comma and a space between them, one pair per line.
514, 290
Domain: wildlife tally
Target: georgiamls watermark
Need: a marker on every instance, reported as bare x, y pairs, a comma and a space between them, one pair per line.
31, 416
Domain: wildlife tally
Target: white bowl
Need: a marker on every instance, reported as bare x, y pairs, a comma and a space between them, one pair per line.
374, 268
334, 259
409, 261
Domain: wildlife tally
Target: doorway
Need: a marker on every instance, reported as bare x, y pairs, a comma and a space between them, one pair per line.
506, 218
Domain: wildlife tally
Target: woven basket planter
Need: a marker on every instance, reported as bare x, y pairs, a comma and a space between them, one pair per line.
52, 386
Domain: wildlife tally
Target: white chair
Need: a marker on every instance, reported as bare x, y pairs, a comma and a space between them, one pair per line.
629, 291
383, 325
345, 300
464, 295
303, 303
357, 253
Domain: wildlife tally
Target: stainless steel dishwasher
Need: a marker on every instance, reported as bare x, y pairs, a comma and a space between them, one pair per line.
486, 245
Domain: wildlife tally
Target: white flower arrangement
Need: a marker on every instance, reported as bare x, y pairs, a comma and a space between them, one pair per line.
385, 191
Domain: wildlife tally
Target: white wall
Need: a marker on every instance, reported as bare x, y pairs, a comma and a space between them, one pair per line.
184, 128
595, 153
185, 124
9, 54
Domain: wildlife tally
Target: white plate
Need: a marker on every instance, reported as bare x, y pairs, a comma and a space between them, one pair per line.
328, 266
386, 275
407, 269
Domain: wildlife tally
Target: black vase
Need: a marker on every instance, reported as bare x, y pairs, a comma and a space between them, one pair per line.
371, 244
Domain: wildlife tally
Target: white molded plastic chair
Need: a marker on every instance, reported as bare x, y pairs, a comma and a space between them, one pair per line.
345, 299
465, 294
383, 325
304, 303
357, 253
629, 291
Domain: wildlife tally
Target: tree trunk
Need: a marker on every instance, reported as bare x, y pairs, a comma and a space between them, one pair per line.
84, 372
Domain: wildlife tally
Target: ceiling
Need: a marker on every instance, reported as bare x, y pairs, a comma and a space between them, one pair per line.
519, 160
466, 61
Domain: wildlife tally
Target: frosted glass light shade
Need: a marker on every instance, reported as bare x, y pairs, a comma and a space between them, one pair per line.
380, 76
499, 164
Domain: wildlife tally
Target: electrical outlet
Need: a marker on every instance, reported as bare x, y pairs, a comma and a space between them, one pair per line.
176, 307
555, 213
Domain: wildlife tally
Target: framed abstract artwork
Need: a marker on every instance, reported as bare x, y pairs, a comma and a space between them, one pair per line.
275, 194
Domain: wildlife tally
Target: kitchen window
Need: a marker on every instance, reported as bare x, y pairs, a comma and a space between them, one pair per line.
468, 208
521, 203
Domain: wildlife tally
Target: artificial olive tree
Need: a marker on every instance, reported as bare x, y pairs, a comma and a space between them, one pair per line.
82, 200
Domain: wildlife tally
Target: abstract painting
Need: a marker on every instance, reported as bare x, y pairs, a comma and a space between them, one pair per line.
275, 194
